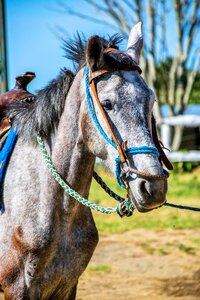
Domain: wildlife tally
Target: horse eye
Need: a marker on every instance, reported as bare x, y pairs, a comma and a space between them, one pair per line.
107, 104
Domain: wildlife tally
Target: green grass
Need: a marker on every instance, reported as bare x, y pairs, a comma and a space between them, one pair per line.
184, 185
196, 241
183, 189
187, 249
100, 268
163, 251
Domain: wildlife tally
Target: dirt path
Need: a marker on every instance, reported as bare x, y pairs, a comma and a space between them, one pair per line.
145, 265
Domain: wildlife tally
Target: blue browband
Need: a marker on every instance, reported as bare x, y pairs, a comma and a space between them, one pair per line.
133, 150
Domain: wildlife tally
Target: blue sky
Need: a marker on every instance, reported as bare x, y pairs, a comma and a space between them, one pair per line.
32, 44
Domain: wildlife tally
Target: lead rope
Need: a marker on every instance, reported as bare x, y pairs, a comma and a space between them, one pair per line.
124, 208
118, 198
106, 188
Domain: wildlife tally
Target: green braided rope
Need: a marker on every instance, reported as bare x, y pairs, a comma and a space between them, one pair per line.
69, 190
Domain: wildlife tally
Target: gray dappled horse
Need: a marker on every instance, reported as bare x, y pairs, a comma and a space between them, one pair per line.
46, 237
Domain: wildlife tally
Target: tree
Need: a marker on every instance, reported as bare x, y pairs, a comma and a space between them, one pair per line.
169, 70
3, 65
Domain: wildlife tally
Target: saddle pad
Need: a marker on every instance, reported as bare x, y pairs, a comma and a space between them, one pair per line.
6, 152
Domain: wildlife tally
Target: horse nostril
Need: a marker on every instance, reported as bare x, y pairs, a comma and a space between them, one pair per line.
152, 191
144, 188
148, 194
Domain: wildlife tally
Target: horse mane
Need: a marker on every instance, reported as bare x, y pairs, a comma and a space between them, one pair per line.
43, 114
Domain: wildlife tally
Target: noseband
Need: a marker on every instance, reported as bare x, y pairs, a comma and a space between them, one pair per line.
122, 163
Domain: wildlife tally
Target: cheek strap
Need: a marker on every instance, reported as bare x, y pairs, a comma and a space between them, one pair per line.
163, 156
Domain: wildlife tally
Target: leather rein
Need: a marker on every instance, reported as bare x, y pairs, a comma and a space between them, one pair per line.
122, 148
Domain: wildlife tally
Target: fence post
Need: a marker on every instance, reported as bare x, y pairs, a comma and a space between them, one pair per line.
3, 57
166, 135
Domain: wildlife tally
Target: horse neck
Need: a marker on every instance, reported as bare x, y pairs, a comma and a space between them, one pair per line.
69, 154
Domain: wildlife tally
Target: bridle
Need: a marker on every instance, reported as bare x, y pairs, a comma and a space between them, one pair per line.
122, 163
126, 206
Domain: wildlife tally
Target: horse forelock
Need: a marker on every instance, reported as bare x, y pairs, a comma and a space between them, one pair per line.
75, 50
42, 114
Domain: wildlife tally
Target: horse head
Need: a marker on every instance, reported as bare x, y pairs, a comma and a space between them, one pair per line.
127, 103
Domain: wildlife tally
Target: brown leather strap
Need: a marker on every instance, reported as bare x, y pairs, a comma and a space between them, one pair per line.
94, 75
122, 154
110, 49
98, 73
163, 157
147, 175
122, 148
133, 67
107, 70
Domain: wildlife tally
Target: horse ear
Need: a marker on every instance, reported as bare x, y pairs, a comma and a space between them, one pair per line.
135, 42
94, 53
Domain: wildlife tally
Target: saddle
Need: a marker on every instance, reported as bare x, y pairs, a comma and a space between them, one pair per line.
8, 135
18, 93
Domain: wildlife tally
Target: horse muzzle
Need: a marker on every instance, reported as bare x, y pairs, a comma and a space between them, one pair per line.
147, 194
